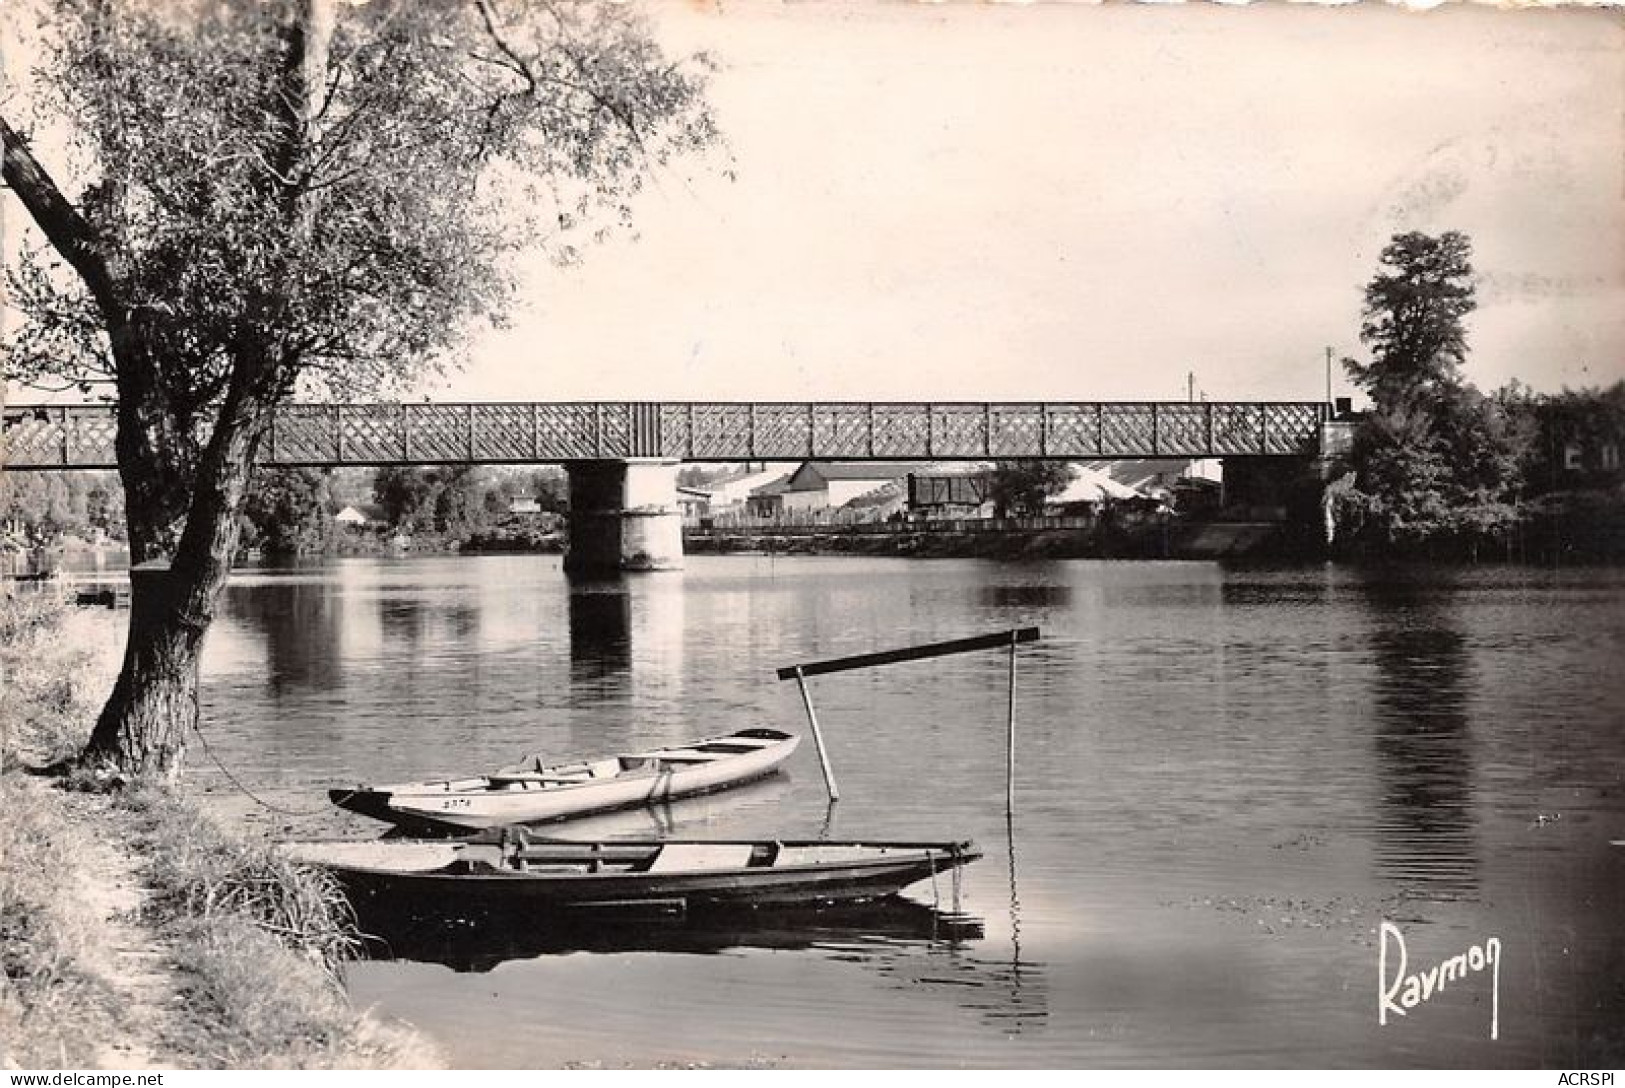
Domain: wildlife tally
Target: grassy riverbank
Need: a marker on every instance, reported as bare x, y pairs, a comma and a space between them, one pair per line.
135, 931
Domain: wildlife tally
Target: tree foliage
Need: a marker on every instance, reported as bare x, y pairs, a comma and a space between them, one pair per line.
288, 512
1578, 438
264, 195
45, 505
1022, 487
1437, 460
1413, 318
447, 499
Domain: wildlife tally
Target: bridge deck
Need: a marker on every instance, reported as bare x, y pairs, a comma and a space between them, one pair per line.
44, 437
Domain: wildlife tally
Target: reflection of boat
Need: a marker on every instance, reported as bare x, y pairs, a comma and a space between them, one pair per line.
533, 791
730, 812
477, 945
506, 871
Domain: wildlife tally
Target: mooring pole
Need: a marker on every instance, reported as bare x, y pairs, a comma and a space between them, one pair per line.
818, 738
1010, 737
914, 653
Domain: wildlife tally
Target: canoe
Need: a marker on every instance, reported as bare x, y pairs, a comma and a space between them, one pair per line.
534, 791
505, 871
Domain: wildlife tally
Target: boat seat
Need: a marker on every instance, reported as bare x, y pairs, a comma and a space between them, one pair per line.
831, 853
686, 857
526, 778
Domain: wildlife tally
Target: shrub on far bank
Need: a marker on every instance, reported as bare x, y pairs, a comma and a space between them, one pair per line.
1575, 526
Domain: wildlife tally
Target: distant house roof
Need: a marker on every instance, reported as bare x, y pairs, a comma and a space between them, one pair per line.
773, 487
1144, 473
350, 516
693, 494
1091, 485
738, 488
815, 475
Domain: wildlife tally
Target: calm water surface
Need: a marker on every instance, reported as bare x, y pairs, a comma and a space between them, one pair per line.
1226, 780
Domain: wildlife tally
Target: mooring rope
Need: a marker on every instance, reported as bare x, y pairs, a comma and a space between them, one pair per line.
244, 790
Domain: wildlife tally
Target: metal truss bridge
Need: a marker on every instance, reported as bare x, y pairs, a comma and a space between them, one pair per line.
57, 437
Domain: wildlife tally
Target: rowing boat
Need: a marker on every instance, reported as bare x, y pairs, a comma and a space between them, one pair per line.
534, 791
505, 870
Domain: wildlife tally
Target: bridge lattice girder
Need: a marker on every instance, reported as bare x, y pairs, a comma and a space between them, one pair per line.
543, 432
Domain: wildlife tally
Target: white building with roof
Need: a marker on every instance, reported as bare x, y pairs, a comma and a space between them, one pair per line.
820, 485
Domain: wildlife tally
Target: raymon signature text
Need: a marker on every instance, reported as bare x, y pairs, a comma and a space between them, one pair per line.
1401, 992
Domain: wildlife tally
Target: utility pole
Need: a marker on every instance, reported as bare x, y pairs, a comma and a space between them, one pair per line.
1190, 385
1328, 374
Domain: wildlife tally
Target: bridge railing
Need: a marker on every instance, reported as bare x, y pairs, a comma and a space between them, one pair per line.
552, 432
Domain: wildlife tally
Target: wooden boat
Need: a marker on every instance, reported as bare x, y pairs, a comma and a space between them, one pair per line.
505, 871
534, 791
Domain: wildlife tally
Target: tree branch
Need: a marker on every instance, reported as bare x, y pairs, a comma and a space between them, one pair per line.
68, 232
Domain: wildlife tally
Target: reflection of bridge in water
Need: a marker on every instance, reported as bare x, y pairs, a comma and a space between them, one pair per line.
622, 456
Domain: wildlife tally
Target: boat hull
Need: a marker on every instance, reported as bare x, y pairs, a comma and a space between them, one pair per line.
471, 886
473, 804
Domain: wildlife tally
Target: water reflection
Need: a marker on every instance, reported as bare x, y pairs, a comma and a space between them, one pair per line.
1228, 777
1025, 1001
1425, 831
600, 612
1029, 596
302, 623
684, 816
466, 946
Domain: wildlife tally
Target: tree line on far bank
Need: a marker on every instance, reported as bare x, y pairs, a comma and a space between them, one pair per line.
292, 511
1439, 468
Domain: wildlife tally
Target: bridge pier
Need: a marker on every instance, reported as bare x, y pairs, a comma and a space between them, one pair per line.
624, 516
1294, 491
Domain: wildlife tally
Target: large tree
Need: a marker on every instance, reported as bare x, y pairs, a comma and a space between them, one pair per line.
258, 196
1436, 458
1413, 319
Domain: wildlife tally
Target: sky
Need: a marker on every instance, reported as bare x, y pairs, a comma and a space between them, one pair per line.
1067, 202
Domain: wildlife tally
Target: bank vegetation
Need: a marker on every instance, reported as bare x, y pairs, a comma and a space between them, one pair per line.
135, 930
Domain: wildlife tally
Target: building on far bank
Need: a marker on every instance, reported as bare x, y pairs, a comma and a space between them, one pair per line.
820, 485
1088, 491
694, 503
734, 491
767, 500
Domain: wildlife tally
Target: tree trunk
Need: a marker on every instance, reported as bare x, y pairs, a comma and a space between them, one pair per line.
142, 729
182, 502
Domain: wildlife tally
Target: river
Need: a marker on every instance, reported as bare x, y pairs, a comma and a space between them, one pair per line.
1227, 781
